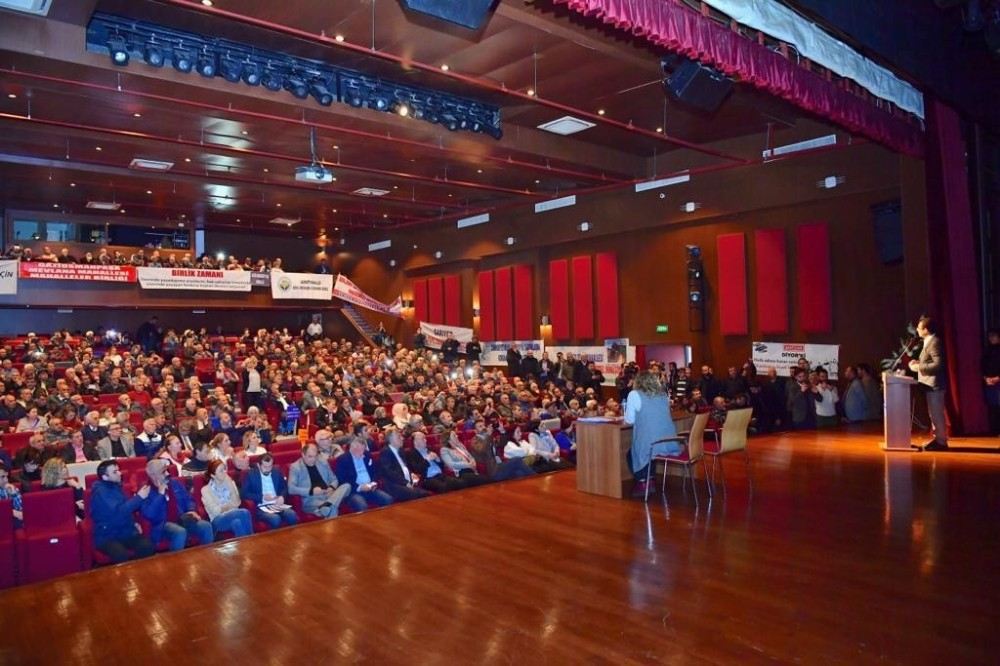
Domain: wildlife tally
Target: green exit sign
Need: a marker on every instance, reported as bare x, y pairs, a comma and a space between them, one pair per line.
662, 328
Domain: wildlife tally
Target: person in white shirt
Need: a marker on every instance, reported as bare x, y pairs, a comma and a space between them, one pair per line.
826, 401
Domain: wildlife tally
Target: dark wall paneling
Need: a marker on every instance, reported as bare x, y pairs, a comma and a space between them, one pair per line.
771, 286
504, 303
435, 300
608, 319
583, 298
524, 302
487, 325
559, 298
420, 309
452, 300
815, 302
733, 310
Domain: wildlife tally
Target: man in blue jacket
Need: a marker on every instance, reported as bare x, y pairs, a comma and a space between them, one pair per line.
358, 470
115, 534
266, 487
157, 509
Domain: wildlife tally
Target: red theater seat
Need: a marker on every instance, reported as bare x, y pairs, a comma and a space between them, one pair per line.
8, 561
49, 544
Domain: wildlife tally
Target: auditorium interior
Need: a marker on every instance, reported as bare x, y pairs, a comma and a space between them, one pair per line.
707, 184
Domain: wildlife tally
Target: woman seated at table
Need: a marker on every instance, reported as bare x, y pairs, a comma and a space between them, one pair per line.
221, 500
647, 409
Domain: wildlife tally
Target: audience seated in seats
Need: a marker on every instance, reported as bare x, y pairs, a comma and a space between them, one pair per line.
115, 532
31, 422
717, 414
251, 444
8, 491
484, 452
11, 410
31, 458
149, 442
311, 478
77, 450
55, 475
357, 470
429, 466
399, 480
198, 462
172, 453
221, 500
460, 461
116, 444
329, 449
548, 453
266, 487
92, 430
169, 497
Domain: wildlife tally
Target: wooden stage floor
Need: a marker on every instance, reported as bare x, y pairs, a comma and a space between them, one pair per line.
843, 554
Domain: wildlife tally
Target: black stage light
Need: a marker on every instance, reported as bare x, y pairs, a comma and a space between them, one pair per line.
379, 102
296, 86
118, 49
450, 121
183, 59
318, 89
153, 54
251, 73
271, 80
232, 69
206, 64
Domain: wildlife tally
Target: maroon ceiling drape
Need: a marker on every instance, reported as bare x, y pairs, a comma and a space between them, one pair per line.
678, 28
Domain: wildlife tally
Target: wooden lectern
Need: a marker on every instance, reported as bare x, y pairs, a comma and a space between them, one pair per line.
898, 415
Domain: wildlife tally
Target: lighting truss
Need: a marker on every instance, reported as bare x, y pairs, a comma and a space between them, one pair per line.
125, 41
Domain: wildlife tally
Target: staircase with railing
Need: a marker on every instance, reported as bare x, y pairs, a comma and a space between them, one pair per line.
359, 323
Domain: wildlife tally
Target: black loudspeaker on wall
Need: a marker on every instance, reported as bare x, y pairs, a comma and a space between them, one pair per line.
695, 84
466, 13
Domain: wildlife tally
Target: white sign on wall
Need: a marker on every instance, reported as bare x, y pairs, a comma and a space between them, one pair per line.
785, 355
8, 276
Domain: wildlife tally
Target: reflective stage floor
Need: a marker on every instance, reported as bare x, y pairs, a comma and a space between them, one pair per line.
843, 554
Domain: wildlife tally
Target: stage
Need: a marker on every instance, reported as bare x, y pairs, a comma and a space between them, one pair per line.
843, 554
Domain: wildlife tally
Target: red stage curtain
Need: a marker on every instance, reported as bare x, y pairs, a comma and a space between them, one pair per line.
607, 295
452, 300
813, 275
504, 303
435, 300
559, 298
955, 283
732, 256
486, 308
678, 28
772, 280
524, 303
583, 298
420, 300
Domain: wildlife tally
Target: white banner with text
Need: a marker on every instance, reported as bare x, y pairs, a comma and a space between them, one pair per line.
785, 355
435, 334
346, 290
311, 286
8, 276
193, 279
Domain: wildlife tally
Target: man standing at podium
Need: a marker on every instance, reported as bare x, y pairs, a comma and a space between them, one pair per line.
932, 374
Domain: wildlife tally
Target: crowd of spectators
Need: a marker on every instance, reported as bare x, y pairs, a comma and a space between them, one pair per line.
146, 257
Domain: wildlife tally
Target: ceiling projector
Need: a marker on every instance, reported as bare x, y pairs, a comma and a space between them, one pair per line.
313, 173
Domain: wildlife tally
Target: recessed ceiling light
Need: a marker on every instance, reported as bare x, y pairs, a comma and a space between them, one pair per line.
438, 255
444, 67
531, 92
11, 96
385, 216
336, 228
244, 132
600, 112
479, 170
395, 187
207, 3
122, 210
336, 147
137, 115
237, 219
566, 125
55, 205
392, 263
334, 210
583, 226
414, 246
149, 191
98, 148
339, 38
279, 205
72, 184
187, 159
690, 206
659, 130
266, 170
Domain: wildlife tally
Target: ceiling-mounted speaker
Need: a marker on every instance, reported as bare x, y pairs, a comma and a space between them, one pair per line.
696, 85
469, 14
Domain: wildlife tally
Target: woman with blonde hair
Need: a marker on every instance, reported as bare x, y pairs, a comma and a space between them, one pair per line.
647, 409
55, 475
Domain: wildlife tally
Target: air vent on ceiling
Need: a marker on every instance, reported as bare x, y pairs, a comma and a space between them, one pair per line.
286, 221
104, 205
150, 165
566, 125
40, 7
370, 192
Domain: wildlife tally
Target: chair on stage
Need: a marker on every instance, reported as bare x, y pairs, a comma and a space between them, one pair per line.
730, 439
694, 444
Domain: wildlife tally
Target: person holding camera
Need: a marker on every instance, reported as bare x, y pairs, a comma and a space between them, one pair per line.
826, 399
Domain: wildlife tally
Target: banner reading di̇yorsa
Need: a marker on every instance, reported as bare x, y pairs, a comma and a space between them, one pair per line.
311, 286
346, 290
193, 279
435, 334
8, 276
35, 270
784, 355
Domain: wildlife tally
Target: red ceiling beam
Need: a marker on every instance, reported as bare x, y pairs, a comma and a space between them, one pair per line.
437, 71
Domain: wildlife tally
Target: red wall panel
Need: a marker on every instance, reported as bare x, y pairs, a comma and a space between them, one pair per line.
559, 298
815, 302
607, 295
435, 300
452, 300
524, 303
420, 300
486, 307
583, 298
771, 285
504, 303
733, 310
